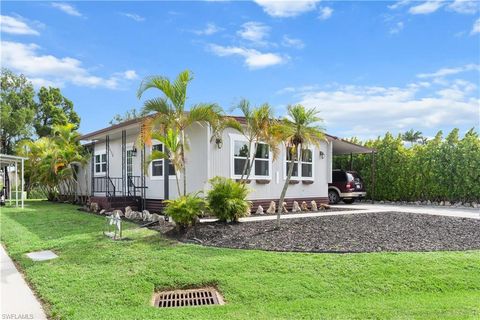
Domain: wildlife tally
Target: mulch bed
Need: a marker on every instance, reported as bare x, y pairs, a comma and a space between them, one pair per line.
362, 232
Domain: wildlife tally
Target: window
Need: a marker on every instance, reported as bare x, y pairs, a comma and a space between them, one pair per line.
157, 165
303, 166
101, 163
261, 163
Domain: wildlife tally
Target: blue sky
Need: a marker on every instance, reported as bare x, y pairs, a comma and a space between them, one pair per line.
368, 66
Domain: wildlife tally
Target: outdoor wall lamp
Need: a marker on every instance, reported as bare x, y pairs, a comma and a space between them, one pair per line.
219, 143
322, 155
134, 152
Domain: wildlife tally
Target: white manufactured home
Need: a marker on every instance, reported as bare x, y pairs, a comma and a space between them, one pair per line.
115, 176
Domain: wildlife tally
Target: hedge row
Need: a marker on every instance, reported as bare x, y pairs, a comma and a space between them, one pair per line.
438, 170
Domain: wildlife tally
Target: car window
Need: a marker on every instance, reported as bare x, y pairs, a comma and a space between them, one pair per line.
338, 176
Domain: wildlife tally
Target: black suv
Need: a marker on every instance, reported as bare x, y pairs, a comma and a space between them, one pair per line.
346, 186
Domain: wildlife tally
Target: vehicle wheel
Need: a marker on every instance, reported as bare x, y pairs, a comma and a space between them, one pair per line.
349, 201
333, 197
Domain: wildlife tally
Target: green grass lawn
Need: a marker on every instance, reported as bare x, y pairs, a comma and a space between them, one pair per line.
97, 278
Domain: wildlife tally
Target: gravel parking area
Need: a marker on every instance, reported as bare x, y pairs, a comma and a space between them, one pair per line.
362, 232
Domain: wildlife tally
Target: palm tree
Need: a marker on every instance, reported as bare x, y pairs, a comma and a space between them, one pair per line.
259, 122
172, 151
412, 136
297, 131
169, 111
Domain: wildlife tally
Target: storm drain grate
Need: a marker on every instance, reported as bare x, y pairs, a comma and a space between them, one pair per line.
188, 298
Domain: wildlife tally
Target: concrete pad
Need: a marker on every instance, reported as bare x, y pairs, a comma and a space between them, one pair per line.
17, 300
42, 255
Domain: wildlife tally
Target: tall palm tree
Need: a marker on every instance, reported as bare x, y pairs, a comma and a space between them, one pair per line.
259, 122
298, 130
169, 110
412, 136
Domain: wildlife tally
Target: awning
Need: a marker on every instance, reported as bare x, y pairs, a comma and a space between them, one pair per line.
340, 146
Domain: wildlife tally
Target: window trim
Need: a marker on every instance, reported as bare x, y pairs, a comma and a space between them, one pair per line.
239, 138
95, 172
299, 165
150, 170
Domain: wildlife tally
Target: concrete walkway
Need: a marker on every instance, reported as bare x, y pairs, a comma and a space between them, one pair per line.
372, 208
17, 300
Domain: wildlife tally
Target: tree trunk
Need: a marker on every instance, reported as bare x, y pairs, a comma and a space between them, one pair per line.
247, 161
285, 187
184, 164
252, 162
178, 183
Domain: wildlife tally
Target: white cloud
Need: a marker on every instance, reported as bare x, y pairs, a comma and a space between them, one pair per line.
325, 13
292, 42
285, 8
427, 7
450, 71
16, 25
130, 74
253, 59
254, 32
464, 6
133, 16
399, 4
476, 27
48, 69
67, 8
209, 29
397, 28
368, 111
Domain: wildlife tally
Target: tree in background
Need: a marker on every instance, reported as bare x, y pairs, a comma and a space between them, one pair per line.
17, 110
413, 137
128, 115
52, 162
53, 109
442, 169
297, 131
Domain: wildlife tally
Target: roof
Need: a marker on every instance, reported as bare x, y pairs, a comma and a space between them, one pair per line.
340, 146
6, 159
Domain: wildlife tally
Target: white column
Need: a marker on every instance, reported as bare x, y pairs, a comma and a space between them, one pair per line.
23, 183
9, 184
16, 184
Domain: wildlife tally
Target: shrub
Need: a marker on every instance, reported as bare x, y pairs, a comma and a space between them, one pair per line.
226, 199
185, 209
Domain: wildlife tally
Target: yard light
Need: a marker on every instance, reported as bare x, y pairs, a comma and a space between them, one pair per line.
219, 143
134, 151
322, 155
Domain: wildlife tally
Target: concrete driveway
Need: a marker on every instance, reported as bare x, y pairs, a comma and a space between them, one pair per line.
370, 208
435, 210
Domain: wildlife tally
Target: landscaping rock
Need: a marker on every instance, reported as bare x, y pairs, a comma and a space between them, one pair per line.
304, 206
447, 203
314, 205
146, 215
94, 207
284, 207
102, 211
296, 207
155, 217
128, 211
324, 206
259, 210
272, 208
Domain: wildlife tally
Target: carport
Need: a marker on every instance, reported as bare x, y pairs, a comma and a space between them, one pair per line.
342, 147
10, 163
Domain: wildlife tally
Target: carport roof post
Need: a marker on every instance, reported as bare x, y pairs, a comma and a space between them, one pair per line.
9, 160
